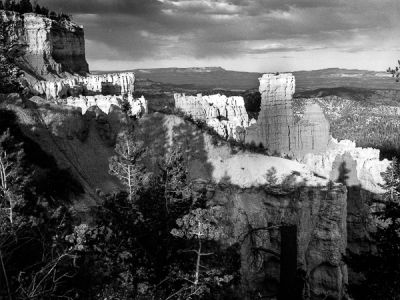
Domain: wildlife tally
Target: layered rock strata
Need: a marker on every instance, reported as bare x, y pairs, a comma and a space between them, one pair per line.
276, 128
138, 106
106, 84
51, 47
226, 115
367, 165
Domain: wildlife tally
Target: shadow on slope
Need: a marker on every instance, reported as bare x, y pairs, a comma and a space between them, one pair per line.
49, 178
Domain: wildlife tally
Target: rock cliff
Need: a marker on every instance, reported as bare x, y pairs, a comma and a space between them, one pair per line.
107, 84
368, 166
239, 184
105, 103
276, 128
51, 48
226, 115
255, 219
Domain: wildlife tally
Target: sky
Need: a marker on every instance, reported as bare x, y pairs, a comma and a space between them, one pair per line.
245, 35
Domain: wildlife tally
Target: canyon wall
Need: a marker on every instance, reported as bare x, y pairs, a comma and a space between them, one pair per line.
256, 217
226, 115
276, 128
138, 106
106, 84
238, 183
51, 48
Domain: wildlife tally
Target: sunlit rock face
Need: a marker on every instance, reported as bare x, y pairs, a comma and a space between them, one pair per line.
52, 47
226, 115
276, 128
106, 84
105, 103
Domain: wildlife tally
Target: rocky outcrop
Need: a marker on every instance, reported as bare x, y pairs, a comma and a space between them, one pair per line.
81, 144
240, 184
51, 48
138, 106
276, 128
106, 84
256, 218
226, 115
368, 166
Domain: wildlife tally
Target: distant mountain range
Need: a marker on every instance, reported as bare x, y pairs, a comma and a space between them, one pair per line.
219, 78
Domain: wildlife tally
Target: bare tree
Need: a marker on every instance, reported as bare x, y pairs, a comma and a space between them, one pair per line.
125, 164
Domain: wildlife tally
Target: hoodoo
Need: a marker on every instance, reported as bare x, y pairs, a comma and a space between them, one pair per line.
276, 129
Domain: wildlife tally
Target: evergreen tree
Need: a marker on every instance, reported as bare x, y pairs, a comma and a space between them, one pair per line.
200, 226
395, 71
383, 267
37, 9
126, 163
1, 4
8, 5
25, 6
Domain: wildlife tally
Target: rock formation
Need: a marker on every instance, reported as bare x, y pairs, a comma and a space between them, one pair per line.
52, 48
320, 241
237, 183
276, 129
106, 84
367, 163
226, 115
138, 106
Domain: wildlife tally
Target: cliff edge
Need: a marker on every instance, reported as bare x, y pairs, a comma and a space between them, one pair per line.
49, 48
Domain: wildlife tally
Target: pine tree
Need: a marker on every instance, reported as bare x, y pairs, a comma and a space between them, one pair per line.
1, 5
37, 9
25, 6
383, 267
7, 5
201, 226
395, 71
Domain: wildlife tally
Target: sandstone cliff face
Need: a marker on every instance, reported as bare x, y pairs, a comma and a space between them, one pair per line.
276, 128
319, 215
107, 84
52, 48
138, 106
226, 115
367, 168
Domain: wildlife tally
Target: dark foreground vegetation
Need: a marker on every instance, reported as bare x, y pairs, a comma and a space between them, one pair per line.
156, 240
25, 6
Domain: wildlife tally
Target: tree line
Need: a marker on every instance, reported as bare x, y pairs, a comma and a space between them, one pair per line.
25, 6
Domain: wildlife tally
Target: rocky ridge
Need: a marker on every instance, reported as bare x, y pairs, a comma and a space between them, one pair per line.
107, 84
226, 115
138, 106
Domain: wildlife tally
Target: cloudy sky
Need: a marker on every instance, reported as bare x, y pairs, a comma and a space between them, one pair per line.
248, 35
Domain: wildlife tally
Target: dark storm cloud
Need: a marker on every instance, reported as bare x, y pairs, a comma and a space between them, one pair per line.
137, 29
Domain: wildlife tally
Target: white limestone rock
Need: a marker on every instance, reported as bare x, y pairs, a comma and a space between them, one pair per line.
368, 166
226, 115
